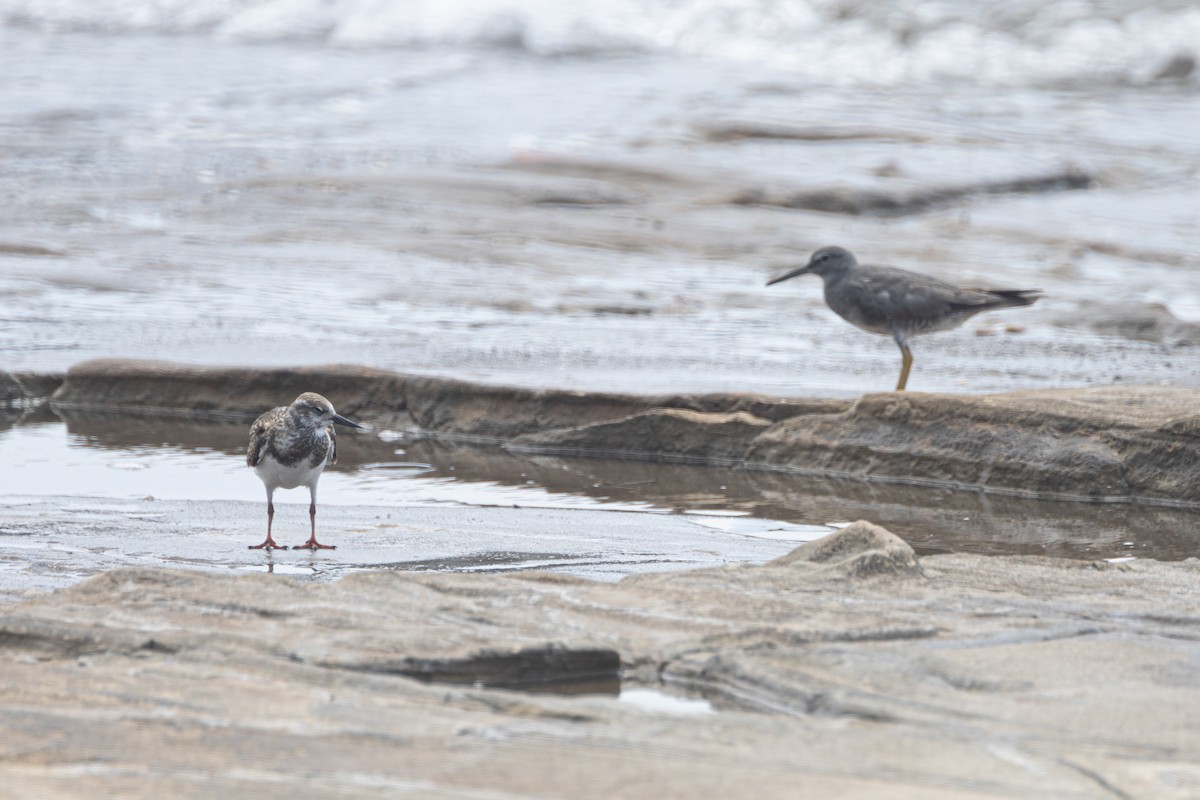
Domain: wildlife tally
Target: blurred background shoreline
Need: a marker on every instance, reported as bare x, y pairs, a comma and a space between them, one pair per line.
591, 195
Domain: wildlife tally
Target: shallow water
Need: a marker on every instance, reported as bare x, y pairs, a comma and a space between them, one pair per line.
559, 215
660, 702
586, 195
133, 459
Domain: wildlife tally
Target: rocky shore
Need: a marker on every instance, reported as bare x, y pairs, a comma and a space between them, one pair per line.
1110, 443
848, 668
599, 539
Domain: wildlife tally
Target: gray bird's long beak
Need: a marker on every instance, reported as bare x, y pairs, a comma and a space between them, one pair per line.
786, 275
340, 420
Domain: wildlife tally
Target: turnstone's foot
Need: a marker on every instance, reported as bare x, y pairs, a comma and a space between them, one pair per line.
269, 544
314, 545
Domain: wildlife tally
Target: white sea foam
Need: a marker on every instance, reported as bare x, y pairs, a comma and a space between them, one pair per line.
878, 42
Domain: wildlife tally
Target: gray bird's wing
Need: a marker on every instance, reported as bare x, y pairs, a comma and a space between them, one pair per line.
260, 435
889, 293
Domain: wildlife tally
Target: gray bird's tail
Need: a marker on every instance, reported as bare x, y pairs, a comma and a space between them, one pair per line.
997, 298
1016, 297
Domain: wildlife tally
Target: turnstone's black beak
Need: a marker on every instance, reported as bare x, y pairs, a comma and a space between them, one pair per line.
791, 274
340, 420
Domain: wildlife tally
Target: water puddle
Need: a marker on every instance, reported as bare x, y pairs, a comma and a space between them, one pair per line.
742, 524
109, 465
642, 698
662, 703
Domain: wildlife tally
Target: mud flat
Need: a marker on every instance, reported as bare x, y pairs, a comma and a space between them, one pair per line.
846, 668
1107, 443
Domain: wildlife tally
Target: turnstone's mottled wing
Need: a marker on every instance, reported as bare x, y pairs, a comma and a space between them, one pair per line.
260, 434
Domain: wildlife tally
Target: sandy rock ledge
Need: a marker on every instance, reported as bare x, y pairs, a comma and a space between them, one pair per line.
844, 669
1112, 443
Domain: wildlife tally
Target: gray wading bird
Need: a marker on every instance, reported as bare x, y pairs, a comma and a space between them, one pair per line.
898, 303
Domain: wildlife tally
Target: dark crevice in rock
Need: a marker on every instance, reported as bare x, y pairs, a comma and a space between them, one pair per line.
47, 642
1144, 322
523, 668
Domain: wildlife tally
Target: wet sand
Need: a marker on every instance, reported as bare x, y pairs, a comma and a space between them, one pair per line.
54, 542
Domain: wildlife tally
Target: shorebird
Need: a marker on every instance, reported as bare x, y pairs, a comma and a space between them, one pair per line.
289, 447
898, 303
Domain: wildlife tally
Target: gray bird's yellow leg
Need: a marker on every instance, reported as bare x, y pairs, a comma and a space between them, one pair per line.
906, 356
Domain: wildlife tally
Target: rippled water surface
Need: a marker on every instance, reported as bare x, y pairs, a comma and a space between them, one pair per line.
590, 196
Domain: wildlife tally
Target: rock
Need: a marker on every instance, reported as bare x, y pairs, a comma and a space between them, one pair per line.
159, 387
739, 130
25, 249
1143, 322
135, 682
11, 391
471, 412
1110, 443
22, 391
38, 386
1101, 443
1179, 68
915, 199
856, 551
663, 433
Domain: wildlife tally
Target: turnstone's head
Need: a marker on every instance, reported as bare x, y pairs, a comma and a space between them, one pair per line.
315, 411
